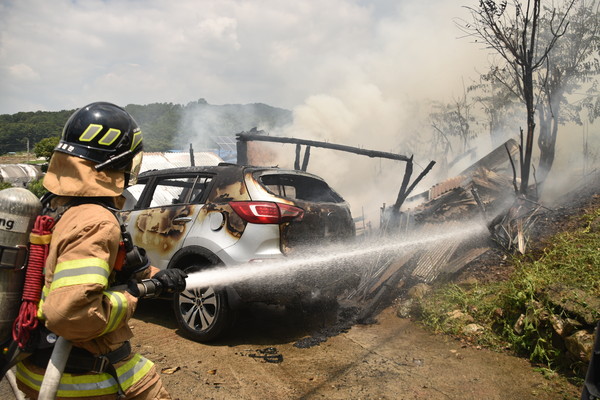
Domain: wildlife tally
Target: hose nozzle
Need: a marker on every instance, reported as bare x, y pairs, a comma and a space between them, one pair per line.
149, 288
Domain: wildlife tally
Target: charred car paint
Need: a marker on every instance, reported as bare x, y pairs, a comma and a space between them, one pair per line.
194, 218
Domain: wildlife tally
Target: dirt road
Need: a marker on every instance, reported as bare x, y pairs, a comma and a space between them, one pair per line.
393, 359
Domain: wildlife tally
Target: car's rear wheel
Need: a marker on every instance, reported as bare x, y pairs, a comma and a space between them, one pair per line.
203, 314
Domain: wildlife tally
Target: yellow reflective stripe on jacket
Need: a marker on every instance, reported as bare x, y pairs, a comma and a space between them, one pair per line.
117, 312
45, 291
77, 272
90, 384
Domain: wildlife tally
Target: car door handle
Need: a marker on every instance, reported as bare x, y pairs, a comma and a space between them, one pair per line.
181, 220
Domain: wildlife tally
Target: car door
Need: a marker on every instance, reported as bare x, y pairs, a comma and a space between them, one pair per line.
166, 209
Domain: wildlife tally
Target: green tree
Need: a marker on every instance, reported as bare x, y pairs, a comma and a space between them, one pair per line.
512, 30
20, 129
572, 66
45, 147
37, 187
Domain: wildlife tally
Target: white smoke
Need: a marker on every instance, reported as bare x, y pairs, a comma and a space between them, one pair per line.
358, 116
376, 95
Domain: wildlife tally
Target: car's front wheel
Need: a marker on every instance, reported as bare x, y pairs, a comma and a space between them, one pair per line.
202, 313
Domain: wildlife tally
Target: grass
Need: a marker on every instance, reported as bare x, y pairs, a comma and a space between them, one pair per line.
570, 266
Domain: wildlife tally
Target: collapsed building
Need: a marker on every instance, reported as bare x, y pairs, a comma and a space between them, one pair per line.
481, 194
484, 192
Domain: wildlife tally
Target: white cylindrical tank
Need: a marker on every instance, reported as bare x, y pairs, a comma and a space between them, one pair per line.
18, 209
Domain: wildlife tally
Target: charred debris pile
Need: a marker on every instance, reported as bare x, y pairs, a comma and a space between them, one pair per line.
554, 326
485, 192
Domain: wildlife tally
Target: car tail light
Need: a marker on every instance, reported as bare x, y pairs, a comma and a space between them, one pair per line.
264, 212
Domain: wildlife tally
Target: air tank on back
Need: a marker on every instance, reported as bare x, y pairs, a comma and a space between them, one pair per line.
18, 210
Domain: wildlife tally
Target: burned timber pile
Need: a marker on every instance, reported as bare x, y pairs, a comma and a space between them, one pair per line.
485, 191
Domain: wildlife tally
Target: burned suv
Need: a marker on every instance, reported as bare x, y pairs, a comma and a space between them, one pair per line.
194, 218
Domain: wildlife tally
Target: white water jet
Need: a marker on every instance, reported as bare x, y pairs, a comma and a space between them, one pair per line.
332, 258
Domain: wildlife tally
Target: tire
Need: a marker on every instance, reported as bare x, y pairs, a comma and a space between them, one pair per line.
203, 314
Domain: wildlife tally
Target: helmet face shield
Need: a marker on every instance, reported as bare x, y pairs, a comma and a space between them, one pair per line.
132, 173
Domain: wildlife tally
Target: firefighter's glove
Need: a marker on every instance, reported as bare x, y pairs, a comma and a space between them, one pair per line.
172, 280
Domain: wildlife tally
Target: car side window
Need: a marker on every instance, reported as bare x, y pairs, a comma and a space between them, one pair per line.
132, 194
179, 190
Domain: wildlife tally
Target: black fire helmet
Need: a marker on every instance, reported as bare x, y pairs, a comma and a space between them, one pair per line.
105, 134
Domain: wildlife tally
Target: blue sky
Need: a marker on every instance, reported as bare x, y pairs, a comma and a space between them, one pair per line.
64, 54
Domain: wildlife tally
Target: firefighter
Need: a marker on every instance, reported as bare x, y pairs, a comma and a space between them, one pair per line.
99, 155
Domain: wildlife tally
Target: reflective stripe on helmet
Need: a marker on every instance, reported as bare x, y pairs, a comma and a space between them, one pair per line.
77, 272
90, 132
117, 311
90, 384
110, 137
136, 140
94, 129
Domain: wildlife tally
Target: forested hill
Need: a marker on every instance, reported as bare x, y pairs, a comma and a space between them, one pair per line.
166, 126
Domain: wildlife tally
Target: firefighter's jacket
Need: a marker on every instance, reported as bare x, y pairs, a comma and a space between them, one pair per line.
77, 304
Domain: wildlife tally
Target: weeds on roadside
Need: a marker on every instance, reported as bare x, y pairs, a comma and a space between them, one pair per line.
516, 314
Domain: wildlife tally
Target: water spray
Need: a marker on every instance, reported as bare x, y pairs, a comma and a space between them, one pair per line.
334, 258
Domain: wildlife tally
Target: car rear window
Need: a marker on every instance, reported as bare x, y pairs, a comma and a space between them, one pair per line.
299, 187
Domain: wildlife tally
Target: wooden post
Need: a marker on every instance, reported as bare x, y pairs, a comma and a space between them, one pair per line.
306, 157
297, 160
242, 152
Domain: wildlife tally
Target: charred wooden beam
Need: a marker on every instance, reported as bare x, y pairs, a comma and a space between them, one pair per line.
512, 164
297, 159
306, 158
192, 162
402, 196
242, 152
247, 137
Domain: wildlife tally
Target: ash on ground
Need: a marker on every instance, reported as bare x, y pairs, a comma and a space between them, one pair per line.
346, 318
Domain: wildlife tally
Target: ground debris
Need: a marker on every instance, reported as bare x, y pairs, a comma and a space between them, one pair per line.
268, 354
170, 370
347, 317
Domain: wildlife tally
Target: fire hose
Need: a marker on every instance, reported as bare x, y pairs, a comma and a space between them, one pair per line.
55, 368
146, 288
12, 381
27, 321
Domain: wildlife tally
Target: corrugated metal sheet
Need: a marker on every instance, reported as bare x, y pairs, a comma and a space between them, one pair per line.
177, 159
432, 262
19, 174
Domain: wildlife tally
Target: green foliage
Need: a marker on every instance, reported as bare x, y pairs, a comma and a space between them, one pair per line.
166, 126
159, 122
518, 313
5, 185
45, 147
37, 188
17, 129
